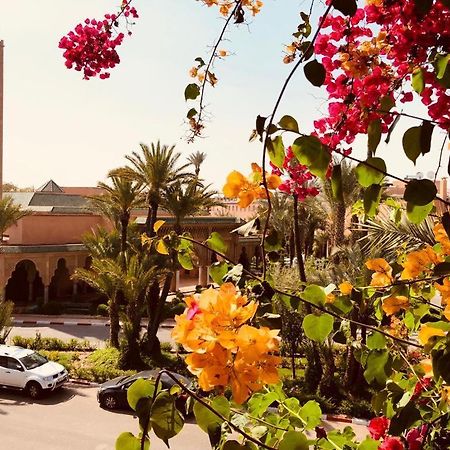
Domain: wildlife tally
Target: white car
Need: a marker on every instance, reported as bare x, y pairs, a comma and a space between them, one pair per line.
21, 368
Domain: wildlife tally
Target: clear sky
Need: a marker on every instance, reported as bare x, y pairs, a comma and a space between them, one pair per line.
59, 126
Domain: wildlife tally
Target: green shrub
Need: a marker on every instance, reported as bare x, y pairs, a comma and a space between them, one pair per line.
102, 310
6, 309
166, 347
362, 409
99, 374
52, 344
67, 359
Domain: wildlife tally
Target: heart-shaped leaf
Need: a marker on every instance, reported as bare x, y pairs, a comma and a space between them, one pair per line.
370, 172
420, 192
317, 328
315, 73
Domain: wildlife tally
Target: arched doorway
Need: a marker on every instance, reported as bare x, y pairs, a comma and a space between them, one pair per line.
61, 285
25, 286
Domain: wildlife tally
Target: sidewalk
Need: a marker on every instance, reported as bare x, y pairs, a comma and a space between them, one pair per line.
74, 320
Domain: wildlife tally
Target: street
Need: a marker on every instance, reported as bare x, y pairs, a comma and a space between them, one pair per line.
71, 419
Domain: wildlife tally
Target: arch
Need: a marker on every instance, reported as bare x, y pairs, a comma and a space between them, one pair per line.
61, 286
25, 286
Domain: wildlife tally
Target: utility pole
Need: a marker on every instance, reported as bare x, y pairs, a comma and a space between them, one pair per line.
1, 118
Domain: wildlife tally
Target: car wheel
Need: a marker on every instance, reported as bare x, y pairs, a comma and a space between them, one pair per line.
34, 389
109, 402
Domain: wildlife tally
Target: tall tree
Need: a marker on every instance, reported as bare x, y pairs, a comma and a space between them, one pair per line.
156, 168
197, 159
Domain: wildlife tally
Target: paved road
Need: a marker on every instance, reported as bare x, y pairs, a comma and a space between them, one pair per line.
71, 419
94, 334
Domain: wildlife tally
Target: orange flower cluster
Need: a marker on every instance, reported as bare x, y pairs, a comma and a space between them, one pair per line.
441, 236
248, 189
419, 262
382, 275
226, 351
225, 6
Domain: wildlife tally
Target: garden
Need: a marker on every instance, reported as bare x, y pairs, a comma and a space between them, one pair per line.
350, 310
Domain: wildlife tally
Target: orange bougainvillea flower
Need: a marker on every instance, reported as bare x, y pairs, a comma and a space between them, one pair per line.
346, 288
383, 272
419, 262
248, 189
441, 236
444, 289
426, 332
226, 350
394, 304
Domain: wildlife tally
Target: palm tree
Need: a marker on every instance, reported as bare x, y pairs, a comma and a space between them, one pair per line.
197, 159
10, 214
188, 198
117, 202
155, 169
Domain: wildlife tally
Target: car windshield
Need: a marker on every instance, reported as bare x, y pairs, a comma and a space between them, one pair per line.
33, 360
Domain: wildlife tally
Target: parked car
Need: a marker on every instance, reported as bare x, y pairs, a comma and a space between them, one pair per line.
113, 393
25, 369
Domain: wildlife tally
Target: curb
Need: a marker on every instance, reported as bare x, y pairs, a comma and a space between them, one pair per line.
83, 382
72, 323
344, 419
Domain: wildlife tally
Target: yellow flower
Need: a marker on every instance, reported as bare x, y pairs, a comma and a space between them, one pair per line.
346, 288
426, 332
444, 289
222, 53
383, 272
394, 304
418, 262
441, 236
249, 189
427, 367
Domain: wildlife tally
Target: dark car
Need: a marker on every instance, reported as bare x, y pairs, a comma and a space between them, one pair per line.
113, 393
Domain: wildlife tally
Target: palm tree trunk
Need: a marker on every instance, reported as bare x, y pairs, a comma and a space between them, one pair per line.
124, 221
339, 226
155, 308
114, 323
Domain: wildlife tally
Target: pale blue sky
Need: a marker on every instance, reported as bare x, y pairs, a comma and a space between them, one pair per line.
62, 127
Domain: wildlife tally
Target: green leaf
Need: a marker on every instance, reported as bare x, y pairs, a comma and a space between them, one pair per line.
311, 414
191, 113
374, 135
288, 123
185, 260
417, 81
315, 73
260, 124
206, 419
258, 403
372, 197
127, 441
141, 388
417, 214
165, 419
376, 341
294, 440
376, 367
317, 328
192, 91
426, 131
336, 183
369, 444
217, 271
387, 103
420, 192
273, 241
370, 172
216, 243
314, 294
441, 65
310, 152
346, 7
411, 143
234, 445
200, 61
275, 148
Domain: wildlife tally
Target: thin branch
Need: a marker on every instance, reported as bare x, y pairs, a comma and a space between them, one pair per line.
440, 157
302, 300
396, 113
210, 408
267, 136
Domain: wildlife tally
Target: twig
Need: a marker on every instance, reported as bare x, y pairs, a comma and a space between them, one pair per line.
440, 157
266, 139
302, 300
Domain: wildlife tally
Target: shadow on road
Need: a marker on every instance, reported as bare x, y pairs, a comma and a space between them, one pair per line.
10, 397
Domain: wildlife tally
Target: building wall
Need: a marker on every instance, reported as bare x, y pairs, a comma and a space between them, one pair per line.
41, 228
